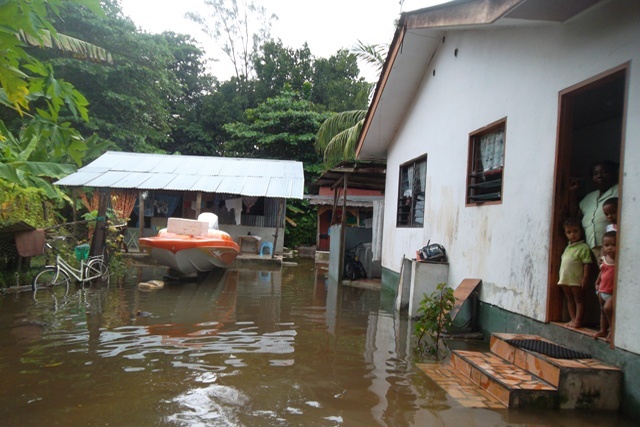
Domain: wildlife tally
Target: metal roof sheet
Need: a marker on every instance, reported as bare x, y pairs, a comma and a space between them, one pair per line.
247, 177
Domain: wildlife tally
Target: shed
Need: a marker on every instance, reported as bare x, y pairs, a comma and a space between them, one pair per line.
248, 195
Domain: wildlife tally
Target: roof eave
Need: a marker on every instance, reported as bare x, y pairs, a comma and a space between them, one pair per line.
374, 141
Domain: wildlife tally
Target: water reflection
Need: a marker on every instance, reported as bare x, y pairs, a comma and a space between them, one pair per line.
241, 348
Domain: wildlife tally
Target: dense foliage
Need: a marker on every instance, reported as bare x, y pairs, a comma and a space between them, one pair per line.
38, 146
28, 205
130, 98
282, 127
154, 94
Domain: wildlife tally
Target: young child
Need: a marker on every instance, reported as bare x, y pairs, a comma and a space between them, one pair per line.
574, 271
604, 284
610, 210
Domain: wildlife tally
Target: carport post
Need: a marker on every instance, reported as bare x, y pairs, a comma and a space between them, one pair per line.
140, 213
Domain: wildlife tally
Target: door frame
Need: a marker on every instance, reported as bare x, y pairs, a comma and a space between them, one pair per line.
561, 196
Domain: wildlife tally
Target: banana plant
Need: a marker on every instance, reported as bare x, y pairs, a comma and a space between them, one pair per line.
44, 152
24, 23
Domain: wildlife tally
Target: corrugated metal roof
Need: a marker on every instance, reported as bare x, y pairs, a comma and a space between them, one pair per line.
245, 177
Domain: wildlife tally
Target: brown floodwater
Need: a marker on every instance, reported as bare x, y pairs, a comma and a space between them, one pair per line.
240, 348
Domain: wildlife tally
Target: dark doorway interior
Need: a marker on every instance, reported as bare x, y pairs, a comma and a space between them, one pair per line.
590, 130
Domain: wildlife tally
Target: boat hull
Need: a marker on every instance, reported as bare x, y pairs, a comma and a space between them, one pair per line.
190, 255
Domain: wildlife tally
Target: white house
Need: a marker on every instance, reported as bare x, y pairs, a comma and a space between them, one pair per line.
484, 112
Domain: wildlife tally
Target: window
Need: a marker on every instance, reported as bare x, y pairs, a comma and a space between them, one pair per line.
413, 178
486, 164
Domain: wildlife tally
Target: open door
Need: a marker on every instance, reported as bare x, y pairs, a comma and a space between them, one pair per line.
591, 120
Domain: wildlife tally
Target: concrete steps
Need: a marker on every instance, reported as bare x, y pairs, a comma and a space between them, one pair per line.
519, 378
512, 386
581, 383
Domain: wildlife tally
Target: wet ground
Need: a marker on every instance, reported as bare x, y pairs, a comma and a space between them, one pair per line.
240, 348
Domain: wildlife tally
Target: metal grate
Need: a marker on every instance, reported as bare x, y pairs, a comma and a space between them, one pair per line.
548, 349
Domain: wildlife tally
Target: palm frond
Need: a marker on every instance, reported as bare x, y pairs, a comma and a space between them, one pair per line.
372, 54
336, 124
343, 145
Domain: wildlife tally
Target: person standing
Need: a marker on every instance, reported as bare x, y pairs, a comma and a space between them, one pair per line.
575, 267
604, 284
594, 222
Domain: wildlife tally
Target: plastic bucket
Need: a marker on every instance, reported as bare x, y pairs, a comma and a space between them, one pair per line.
82, 252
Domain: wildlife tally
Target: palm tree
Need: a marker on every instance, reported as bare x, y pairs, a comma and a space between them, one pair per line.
337, 137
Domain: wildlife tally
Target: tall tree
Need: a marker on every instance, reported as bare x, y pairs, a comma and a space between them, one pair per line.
189, 133
201, 131
282, 127
336, 83
276, 66
130, 100
238, 27
336, 140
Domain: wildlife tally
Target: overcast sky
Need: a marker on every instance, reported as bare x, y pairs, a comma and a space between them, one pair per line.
326, 25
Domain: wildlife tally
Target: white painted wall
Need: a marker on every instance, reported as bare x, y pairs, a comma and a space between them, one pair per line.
515, 73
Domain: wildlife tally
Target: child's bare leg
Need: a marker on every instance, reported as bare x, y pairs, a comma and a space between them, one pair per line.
608, 311
604, 321
578, 297
571, 305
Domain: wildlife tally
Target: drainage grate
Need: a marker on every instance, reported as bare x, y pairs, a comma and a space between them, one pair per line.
549, 349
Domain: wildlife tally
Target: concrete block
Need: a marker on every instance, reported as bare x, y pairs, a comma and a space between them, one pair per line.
189, 227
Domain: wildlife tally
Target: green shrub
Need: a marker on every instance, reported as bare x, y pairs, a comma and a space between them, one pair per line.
24, 204
434, 318
301, 227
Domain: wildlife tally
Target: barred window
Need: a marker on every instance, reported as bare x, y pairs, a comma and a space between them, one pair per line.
411, 193
486, 164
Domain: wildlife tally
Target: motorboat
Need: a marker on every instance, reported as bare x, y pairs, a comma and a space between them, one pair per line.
189, 247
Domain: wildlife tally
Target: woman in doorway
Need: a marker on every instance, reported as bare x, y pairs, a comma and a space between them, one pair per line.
594, 222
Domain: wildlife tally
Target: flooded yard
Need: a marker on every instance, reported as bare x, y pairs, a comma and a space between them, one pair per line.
241, 348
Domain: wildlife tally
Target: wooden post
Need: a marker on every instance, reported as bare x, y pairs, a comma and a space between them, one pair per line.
275, 237
74, 210
99, 233
140, 213
343, 231
198, 203
319, 212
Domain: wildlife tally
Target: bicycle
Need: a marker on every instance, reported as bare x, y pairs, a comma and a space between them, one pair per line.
56, 277
353, 268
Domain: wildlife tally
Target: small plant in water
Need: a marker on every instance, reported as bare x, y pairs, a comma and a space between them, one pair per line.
434, 318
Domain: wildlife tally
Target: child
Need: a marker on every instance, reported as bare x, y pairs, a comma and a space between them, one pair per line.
610, 210
574, 271
604, 284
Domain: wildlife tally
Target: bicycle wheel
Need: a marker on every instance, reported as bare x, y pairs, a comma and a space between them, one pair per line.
360, 271
98, 270
51, 280
350, 271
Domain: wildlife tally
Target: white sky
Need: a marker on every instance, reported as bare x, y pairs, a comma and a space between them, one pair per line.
326, 25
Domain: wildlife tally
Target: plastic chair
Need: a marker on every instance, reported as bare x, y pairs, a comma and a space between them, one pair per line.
264, 245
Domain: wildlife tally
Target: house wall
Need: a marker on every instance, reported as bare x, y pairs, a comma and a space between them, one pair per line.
515, 73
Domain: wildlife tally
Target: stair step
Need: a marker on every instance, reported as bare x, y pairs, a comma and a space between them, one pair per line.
581, 383
514, 387
459, 387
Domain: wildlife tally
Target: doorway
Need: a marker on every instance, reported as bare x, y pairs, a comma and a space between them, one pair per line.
590, 124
